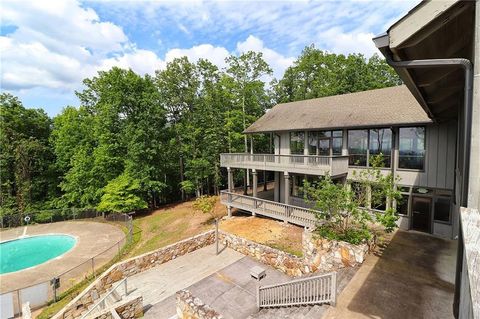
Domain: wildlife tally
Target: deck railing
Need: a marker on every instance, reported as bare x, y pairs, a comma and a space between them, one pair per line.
289, 213
306, 291
333, 165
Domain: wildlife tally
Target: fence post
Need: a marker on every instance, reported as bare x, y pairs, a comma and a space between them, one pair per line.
258, 295
93, 268
334, 288
19, 302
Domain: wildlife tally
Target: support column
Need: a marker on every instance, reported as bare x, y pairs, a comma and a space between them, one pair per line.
265, 180
230, 189
255, 181
287, 187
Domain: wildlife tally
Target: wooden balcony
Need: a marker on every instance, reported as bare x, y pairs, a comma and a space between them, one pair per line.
300, 164
288, 213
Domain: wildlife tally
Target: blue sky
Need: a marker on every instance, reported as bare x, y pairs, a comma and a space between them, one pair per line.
49, 47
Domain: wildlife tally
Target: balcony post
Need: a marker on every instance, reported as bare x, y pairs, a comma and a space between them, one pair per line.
287, 187
230, 189
254, 188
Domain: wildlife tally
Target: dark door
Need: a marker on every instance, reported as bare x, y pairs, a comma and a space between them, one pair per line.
421, 210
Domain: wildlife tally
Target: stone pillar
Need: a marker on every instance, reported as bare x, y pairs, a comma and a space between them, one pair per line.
287, 187
230, 189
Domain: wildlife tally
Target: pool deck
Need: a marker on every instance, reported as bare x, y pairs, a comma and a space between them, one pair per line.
93, 238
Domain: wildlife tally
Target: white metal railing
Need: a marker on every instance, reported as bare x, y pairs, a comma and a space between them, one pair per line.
102, 302
292, 214
333, 165
306, 291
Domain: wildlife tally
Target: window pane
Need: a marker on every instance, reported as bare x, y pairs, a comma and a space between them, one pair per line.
312, 143
442, 209
337, 133
379, 201
402, 205
412, 148
337, 144
359, 193
297, 140
357, 147
324, 147
381, 143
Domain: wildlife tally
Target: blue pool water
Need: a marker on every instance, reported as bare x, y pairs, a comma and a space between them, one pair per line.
31, 251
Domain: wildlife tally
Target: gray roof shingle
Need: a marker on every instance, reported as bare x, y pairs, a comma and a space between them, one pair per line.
381, 107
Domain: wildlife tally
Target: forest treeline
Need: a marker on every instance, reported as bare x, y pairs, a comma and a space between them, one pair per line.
139, 141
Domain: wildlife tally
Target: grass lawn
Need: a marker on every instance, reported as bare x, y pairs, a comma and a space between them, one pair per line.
170, 224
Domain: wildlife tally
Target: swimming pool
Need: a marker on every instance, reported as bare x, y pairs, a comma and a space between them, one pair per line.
27, 252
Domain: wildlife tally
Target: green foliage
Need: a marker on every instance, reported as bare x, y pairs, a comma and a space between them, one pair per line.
121, 195
379, 188
206, 205
317, 73
340, 216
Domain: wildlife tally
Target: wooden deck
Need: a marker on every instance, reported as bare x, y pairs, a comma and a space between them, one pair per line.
288, 213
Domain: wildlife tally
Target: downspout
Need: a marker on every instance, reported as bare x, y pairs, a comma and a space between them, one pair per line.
466, 65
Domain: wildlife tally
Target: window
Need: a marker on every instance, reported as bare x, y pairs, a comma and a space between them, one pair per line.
296, 185
313, 143
325, 143
357, 147
337, 142
297, 143
402, 205
412, 148
442, 209
381, 143
359, 193
379, 201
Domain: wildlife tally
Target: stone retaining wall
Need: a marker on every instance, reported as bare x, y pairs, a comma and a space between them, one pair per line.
190, 307
131, 309
130, 267
319, 255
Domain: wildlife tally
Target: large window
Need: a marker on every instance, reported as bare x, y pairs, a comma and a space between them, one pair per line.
297, 142
412, 148
381, 143
363, 144
325, 143
357, 147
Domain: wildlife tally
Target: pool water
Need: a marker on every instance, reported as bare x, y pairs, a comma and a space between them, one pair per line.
27, 252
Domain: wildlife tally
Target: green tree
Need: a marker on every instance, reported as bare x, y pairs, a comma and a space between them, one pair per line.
121, 195
27, 174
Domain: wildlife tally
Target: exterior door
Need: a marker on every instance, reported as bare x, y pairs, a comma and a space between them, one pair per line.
324, 146
421, 214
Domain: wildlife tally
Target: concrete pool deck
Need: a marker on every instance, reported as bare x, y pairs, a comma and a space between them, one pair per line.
93, 238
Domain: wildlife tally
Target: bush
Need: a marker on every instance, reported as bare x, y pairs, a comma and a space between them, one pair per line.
121, 195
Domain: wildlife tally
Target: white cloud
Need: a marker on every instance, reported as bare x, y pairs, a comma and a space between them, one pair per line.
140, 61
216, 55
277, 62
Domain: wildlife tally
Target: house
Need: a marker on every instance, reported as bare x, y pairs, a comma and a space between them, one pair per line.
435, 49
338, 135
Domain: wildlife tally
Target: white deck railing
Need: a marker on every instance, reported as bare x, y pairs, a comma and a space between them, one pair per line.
289, 213
302, 164
307, 291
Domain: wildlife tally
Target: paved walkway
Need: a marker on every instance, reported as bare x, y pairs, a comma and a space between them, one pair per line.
414, 278
93, 238
162, 282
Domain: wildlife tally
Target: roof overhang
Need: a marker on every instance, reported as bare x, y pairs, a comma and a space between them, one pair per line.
433, 30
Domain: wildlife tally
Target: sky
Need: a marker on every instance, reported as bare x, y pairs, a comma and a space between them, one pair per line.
48, 47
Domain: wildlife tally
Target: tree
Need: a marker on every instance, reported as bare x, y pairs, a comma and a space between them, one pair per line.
27, 174
342, 212
121, 195
317, 73
206, 205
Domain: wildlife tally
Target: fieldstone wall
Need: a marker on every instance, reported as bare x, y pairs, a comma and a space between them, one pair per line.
190, 307
318, 254
130, 267
328, 255
131, 309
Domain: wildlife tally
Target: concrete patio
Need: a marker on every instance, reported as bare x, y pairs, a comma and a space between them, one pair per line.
414, 278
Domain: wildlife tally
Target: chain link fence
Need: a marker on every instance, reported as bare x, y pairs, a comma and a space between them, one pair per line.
40, 294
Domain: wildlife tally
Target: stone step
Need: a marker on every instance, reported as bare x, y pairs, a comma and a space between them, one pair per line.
293, 312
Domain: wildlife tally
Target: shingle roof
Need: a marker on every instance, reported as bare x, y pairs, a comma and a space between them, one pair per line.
381, 107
